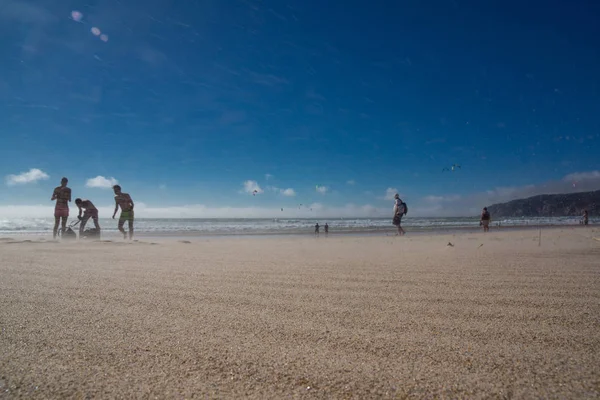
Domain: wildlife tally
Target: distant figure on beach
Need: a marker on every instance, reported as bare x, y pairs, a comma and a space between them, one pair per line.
586, 217
317, 229
400, 209
62, 195
485, 219
90, 212
124, 201
326, 229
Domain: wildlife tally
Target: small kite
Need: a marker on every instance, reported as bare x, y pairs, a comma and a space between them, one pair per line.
76, 16
453, 167
254, 192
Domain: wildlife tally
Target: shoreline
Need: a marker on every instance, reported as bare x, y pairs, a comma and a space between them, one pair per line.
420, 232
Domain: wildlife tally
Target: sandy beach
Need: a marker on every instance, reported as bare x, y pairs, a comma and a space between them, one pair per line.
492, 316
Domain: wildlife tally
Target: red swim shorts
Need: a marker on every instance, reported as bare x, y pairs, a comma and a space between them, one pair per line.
61, 211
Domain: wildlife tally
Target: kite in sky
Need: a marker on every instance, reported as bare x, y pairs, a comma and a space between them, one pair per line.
453, 167
77, 16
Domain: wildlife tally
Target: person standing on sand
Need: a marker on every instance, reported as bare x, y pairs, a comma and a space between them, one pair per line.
62, 195
400, 209
586, 217
326, 229
124, 201
317, 229
90, 212
485, 219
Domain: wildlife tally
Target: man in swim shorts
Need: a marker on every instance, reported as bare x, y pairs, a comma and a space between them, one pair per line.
62, 195
90, 212
124, 201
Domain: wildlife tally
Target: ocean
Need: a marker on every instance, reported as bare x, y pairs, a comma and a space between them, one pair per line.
223, 226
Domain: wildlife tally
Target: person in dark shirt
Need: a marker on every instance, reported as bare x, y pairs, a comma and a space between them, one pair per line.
485, 219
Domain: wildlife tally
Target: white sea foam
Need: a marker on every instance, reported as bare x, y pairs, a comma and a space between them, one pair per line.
42, 226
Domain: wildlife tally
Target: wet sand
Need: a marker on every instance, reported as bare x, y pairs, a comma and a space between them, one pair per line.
490, 316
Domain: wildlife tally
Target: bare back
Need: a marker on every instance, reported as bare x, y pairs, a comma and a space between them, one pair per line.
62, 196
88, 205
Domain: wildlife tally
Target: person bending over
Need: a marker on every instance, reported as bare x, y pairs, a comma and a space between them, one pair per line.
89, 211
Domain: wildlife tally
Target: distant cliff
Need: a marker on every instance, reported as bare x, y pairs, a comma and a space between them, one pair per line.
550, 205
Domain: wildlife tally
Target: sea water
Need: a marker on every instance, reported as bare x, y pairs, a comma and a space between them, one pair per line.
224, 226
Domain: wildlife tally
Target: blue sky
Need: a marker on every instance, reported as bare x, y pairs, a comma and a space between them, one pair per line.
183, 102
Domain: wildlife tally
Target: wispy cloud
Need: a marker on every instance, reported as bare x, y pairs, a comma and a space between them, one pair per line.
351, 182
438, 205
441, 199
314, 210
582, 176
471, 204
312, 94
25, 12
232, 117
322, 189
390, 193
268, 176
31, 176
251, 186
101, 182
268, 79
435, 141
289, 192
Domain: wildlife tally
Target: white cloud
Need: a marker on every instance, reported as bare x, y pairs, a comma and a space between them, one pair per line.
289, 192
390, 193
428, 206
314, 210
441, 199
351, 182
268, 176
101, 182
251, 187
322, 189
582, 176
33, 175
471, 203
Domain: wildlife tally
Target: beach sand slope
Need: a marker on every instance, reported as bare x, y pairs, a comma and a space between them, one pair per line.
490, 316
